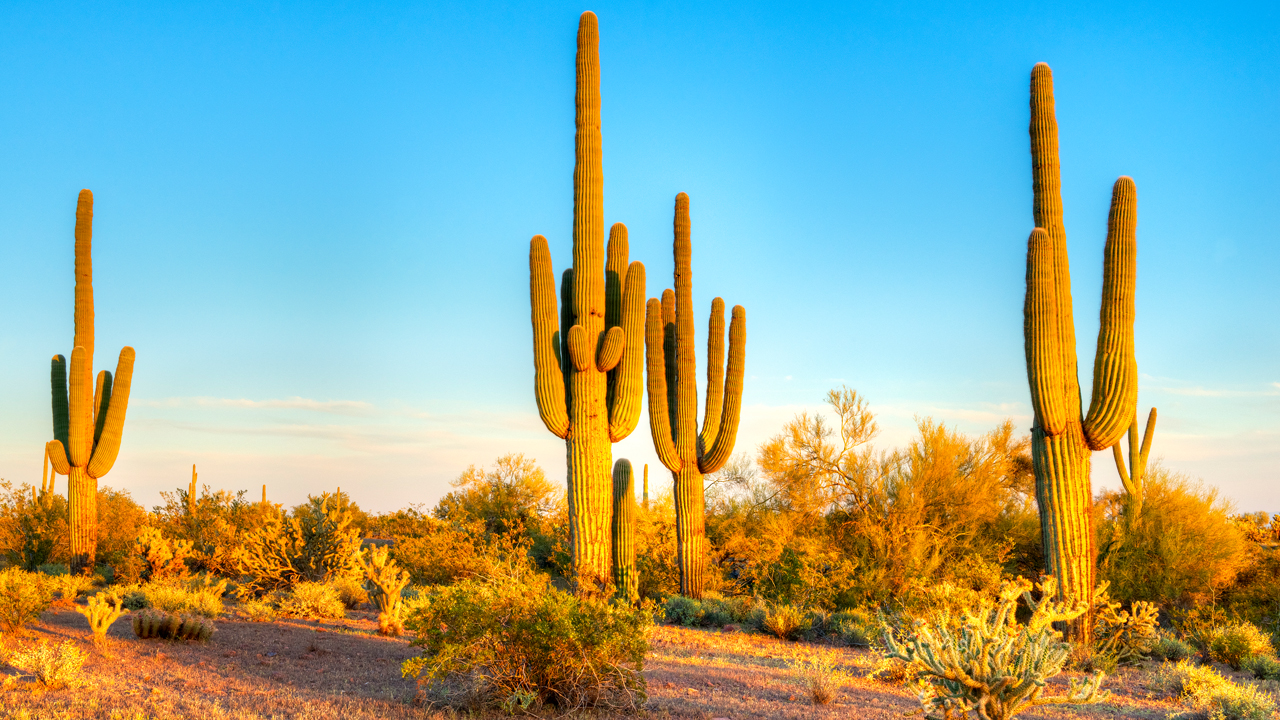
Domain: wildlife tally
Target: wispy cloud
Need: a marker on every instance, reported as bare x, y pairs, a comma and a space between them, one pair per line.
1198, 391
333, 407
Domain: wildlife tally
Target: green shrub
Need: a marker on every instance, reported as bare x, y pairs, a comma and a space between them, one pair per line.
784, 621
1206, 691
855, 627
517, 641
1234, 643
1169, 647
23, 596
1262, 667
53, 569
54, 666
313, 600
716, 611
680, 610
991, 664
350, 591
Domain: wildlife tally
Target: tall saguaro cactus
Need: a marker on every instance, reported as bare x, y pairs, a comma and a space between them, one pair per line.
588, 358
88, 419
1062, 438
673, 400
625, 580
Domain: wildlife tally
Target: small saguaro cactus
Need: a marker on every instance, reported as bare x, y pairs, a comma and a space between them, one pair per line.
625, 580
88, 420
646, 486
1062, 437
1137, 471
191, 493
588, 357
673, 400
384, 582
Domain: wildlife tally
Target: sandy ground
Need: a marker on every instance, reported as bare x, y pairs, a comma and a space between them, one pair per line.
343, 670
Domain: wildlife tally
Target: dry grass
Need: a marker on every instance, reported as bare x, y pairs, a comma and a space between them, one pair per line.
343, 670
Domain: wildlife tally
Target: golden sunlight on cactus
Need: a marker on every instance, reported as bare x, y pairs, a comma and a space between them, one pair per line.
625, 580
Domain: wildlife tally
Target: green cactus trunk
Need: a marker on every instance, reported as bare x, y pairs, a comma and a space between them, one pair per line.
88, 418
588, 356
626, 582
673, 399
1062, 439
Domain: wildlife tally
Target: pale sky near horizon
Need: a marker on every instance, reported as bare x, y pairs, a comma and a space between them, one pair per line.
312, 220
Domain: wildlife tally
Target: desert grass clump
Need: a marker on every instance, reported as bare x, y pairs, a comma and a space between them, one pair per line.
1205, 691
819, 674
23, 596
257, 610
101, 611
784, 621
988, 663
149, 624
53, 665
385, 583
1236, 642
312, 600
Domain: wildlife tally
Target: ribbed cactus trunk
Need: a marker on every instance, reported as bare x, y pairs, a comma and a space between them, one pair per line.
88, 418
1061, 440
626, 582
673, 400
588, 359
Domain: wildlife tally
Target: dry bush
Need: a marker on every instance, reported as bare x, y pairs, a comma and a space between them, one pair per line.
1204, 690
54, 665
1234, 643
784, 621
23, 596
197, 595
819, 674
312, 600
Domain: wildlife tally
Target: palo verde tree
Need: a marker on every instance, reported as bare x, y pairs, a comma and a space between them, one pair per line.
588, 360
88, 418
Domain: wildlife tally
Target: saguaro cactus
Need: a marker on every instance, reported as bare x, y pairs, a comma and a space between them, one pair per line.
625, 580
1062, 439
588, 360
673, 400
88, 420
1137, 471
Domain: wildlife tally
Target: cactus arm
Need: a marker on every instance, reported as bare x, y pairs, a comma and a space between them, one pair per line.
1147, 434
104, 455
612, 343
588, 185
579, 349
1115, 372
548, 378
659, 424
1040, 328
728, 432
686, 408
669, 353
80, 409
566, 322
615, 274
715, 377
57, 457
84, 278
628, 379
1125, 478
101, 401
58, 387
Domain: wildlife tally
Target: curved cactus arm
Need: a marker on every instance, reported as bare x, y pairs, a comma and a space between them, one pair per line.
101, 401
58, 388
1118, 454
1147, 434
669, 342
1115, 372
1040, 328
80, 409
58, 457
659, 424
579, 349
727, 435
627, 380
548, 378
566, 322
715, 377
104, 455
612, 343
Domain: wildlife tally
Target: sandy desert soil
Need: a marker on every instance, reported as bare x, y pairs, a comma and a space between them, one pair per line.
343, 670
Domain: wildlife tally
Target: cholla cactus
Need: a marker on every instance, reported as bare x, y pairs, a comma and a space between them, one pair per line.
989, 663
384, 582
1126, 636
317, 545
101, 613
164, 559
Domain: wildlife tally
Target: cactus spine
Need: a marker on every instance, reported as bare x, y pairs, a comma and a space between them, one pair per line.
673, 399
1137, 471
587, 366
625, 580
88, 420
1061, 438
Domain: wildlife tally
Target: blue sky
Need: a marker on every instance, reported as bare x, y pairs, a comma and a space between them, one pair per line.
312, 221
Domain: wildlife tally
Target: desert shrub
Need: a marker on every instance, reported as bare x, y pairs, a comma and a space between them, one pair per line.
784, 621
53, 665
351, 591
23, 596
385, 583
518, 641
33, 530
197, 595
312, 600
101, 611
716, 611
991, 664
162, 559
257, 610
1204, 690
1234, 643
53, 569
655, 541
855, 627
211, 524
819, 674
1126, 636
1183, 548
317, 544
150, 624
1169, 647
69, 587
1262, 667
680, 610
